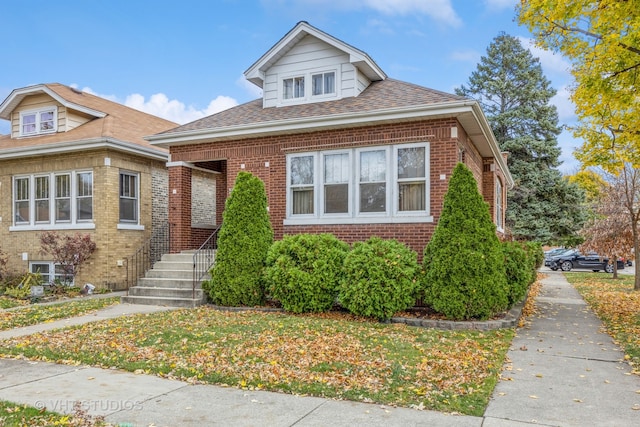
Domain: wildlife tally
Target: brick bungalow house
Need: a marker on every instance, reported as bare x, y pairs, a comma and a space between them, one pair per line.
341, 147
75, 162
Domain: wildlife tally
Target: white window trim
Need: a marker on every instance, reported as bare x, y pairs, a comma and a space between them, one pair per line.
130, 225
37, 113
52, 271
308, 84
391, 215
427, 164
73, 224
498, 206
324, 95
320, 196
289, 206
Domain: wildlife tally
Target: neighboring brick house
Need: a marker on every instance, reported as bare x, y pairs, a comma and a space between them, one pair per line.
75, 162
340, 147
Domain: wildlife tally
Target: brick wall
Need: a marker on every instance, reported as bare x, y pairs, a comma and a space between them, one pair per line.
266, 158
113, 245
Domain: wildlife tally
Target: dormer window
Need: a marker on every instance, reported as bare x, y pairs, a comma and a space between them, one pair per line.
316, 85
323, 84
36, 122
293, 88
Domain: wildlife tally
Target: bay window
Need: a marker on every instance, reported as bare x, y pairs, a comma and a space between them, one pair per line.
362, 185
48, 199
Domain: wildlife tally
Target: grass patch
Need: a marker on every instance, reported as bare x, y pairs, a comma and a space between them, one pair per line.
617, 305
13, 414
335, 356
6, 302
38, 313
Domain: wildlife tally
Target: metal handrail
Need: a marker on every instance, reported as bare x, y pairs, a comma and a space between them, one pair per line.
148, 254
204, 258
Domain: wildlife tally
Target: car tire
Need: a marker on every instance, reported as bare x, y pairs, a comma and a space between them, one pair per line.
609, 268
566, 266
554, 268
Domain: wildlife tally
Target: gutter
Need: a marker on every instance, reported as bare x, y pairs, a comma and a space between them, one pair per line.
83, 145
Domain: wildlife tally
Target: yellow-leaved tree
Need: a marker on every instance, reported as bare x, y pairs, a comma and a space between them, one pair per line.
601, 38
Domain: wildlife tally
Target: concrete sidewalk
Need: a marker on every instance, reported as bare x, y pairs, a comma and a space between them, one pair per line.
562, 372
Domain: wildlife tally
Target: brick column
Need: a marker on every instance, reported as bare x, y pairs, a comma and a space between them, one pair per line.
221, 192
180, 207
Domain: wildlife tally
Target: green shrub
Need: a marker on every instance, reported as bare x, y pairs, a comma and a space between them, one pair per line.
464, 265
534, 250
380, 278
303, 271
243, 243
518, 266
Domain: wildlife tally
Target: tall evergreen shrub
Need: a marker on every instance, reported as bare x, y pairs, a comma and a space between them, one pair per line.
464, 264
243, 243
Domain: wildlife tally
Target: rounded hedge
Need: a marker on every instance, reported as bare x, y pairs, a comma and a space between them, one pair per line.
380, 278
303, 271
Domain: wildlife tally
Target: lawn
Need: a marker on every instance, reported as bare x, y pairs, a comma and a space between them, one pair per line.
617, 305
335, 355
33, 314
12, 414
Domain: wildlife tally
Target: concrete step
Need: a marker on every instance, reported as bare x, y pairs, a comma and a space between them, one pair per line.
173, 265
170, 274
162, 301
180, 257
182, 293
162, 282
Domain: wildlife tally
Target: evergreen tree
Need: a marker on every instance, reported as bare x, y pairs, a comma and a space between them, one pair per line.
515, 96
244, 240
465, 275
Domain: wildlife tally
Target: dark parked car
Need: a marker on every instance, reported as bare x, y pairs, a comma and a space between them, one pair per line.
569, 260
548, 255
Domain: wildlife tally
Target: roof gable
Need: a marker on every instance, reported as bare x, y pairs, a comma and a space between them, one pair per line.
108, 123
18, 95
256, 73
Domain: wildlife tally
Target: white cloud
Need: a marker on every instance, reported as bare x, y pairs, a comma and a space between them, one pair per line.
171, 109
440, 10
551, 62
249, 87
466, 56
562, 101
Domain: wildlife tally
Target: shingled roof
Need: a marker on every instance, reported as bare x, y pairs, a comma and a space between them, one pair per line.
380, 95
115, 122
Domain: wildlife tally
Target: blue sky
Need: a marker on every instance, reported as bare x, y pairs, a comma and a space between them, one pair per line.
183, 60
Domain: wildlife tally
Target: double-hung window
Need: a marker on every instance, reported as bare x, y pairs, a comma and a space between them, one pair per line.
323, 83
38, 121
499, 218
129, 197
302, 184
412, 179
362, 185
53, 199
293, 88
42, 198
337, 173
